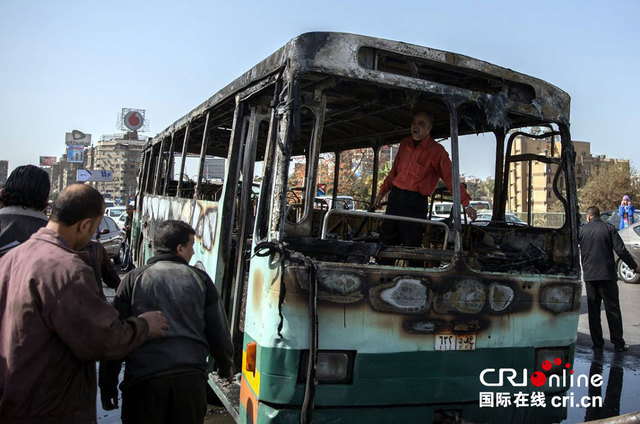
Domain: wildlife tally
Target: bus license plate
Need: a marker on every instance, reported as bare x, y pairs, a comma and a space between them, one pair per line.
455, 342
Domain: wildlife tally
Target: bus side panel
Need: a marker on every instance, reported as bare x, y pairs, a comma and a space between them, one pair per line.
201, 215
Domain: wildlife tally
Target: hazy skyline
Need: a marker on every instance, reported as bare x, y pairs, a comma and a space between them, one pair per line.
75, 64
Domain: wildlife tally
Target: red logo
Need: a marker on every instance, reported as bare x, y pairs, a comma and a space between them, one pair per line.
538, 378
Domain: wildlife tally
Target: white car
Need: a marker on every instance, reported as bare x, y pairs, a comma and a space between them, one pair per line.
509, 217
443, 209
480, 205
115, 211
326, 202
121, 219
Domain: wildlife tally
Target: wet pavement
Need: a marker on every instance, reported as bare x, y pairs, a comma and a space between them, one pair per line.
619, 391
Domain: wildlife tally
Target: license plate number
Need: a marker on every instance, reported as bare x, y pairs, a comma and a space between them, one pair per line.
455, 342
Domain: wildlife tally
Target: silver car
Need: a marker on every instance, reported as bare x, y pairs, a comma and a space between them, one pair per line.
111, 237
631, 238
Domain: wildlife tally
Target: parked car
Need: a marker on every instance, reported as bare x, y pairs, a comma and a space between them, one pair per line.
443, 209
480, 205
111, 237
121, 219
115, 211
509, 217
326, 202
613, 218
631, 238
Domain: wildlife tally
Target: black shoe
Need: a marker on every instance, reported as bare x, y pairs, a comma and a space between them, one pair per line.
597, 349
622, 348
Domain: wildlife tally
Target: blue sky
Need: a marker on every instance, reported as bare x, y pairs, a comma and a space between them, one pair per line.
75, 64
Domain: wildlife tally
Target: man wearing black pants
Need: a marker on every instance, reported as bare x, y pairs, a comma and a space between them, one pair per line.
404, 203
598, 240
418, 166
165, 381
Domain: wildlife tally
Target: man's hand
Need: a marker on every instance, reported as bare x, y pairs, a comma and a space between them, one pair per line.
378, 202
110, 402
157, 323
471, 213
637, 270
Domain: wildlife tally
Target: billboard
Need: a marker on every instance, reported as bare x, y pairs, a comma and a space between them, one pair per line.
94, 175
77, 138
48, 160
75, 154
133, 120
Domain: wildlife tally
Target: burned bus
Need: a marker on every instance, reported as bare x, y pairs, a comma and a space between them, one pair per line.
328, 323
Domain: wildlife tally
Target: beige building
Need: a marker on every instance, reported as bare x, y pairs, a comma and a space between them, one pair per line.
4, 171
121, 155
63, 173
537, 177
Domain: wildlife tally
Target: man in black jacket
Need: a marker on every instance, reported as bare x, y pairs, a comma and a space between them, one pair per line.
24, 196
598, 240
165, 381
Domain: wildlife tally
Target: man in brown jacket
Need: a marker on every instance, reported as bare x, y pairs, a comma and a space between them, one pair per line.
54, 324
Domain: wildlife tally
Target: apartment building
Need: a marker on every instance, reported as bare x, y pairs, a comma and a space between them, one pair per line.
536, 178
119, 153
4, 171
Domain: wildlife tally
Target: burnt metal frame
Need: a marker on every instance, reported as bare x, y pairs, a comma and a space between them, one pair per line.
249, 157
302, 56
317, 107
307, 54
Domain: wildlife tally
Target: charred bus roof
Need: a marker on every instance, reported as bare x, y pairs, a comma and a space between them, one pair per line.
374, 86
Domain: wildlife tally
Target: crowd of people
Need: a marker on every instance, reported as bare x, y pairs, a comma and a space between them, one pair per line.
55, 322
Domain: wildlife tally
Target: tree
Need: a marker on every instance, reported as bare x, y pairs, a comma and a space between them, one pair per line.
479, 189
608, 185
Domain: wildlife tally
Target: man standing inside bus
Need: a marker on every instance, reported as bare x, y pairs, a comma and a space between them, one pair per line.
598, 240
418, 166
165, 381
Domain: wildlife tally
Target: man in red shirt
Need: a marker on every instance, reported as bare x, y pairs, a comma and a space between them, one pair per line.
418, 166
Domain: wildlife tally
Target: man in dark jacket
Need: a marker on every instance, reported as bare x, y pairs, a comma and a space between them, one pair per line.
54, 324
165, 380
598, 240
24, 196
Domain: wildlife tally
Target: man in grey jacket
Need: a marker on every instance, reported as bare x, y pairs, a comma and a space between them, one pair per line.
165, 380
598, 240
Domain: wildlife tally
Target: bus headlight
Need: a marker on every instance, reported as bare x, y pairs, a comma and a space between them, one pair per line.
467, 297
334, 366
500, 296
406, 295
557, 298
340, 282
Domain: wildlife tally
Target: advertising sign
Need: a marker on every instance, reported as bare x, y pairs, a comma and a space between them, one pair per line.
94, 175
48, 160
133, 120
75, 154
77, 138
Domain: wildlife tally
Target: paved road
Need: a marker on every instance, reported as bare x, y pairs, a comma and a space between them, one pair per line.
630, 306
621, 386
